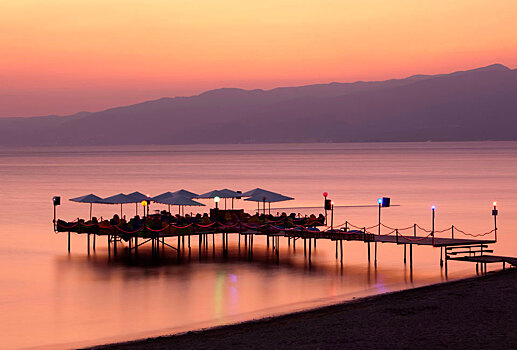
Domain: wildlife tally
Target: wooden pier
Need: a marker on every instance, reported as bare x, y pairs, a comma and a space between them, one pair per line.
451, 248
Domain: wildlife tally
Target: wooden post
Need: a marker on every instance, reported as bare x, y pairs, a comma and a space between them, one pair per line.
405, 253
69, 241
411, 256
278, 249
375, 253
94, 239
88, 242
364, 233
341, 244
446, 261
441, 256
309, 249
115, 243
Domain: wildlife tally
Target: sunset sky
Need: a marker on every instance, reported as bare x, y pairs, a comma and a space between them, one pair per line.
64, 56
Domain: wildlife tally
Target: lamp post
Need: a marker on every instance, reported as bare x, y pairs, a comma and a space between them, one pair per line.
494, 213
56, 200
433, 208
144, 204
332, 216
216, 201
379, 201
325, 194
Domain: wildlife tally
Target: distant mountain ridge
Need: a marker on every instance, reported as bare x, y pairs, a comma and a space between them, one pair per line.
477, 104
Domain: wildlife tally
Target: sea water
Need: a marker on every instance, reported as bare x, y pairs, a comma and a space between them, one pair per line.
50, 298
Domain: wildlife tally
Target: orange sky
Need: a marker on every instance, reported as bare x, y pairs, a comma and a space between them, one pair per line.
63, 56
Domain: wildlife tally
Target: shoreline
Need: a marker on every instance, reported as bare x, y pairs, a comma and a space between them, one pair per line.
476, 312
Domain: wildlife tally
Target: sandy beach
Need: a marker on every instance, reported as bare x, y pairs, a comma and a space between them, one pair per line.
478, 312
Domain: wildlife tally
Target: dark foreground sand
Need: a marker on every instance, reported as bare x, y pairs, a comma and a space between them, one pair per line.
478, 313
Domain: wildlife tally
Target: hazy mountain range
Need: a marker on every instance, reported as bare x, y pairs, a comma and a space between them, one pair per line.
479, 104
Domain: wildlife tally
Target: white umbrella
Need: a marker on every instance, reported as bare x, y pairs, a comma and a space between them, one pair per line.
185, 193
138, 197
224, 193
120, 198
162, 196
258, 191
269, 198
180, 201
89, 198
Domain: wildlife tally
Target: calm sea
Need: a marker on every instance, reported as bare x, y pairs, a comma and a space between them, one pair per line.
49, 298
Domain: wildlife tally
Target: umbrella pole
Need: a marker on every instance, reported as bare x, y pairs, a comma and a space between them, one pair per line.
121, 211
136, 207
90, 211
232, 202
269, 208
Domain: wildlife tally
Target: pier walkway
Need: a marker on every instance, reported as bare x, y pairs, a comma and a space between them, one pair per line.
451, 248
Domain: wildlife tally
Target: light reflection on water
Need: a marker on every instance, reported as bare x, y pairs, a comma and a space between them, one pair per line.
83, 300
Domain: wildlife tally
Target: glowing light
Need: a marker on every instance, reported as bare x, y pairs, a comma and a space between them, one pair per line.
217, 199
433, 207
144, 203
325, 194
379, 200
332, 203
495, 204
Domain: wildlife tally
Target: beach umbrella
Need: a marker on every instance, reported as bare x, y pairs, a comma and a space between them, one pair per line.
185, 193
120, 198
268, 198
162, 196
89, 198
180, 201
224, 193
258, 191
138, 198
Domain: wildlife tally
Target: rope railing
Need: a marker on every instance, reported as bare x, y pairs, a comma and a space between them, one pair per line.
474, 235
273, 224
413, 238
121, 230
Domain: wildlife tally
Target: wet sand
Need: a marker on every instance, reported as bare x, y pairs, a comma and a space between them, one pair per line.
479, 313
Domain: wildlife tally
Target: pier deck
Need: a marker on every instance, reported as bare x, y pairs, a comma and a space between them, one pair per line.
438, 241
451, 248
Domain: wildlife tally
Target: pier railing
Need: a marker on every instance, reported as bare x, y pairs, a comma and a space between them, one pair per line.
313, 229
